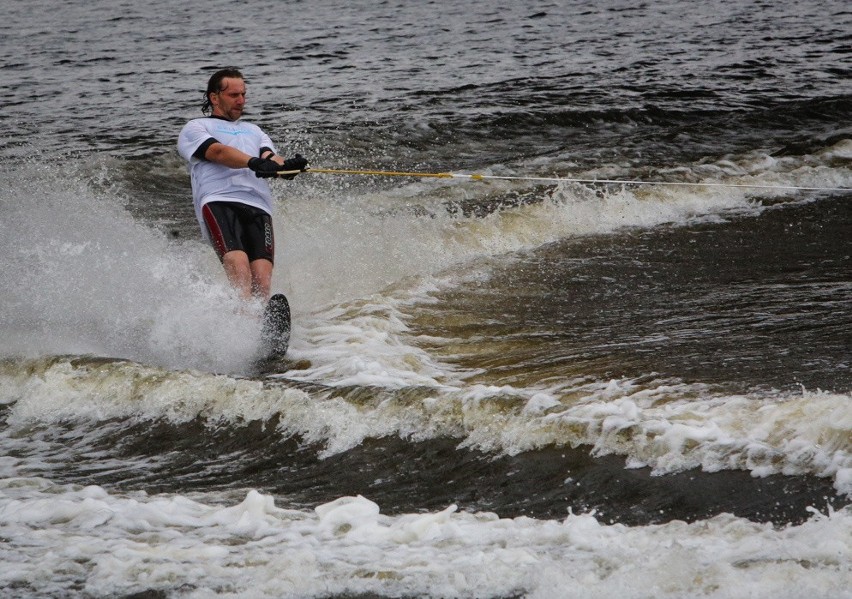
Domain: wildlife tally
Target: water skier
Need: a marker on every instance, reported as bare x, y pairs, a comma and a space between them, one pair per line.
229, 160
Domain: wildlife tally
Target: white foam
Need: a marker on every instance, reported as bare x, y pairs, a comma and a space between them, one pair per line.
673, 427
112, 544
84, 277
666, 425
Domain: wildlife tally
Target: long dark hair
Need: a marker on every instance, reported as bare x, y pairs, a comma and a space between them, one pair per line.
214, 85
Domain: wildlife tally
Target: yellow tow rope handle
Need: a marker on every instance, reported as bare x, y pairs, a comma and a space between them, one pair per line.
336, 171
332, 171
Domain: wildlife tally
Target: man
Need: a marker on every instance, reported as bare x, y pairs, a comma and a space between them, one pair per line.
229, 160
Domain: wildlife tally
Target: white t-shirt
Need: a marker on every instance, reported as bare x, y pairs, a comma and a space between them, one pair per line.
213, 182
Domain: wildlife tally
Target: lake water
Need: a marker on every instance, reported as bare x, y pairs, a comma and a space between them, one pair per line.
525, 386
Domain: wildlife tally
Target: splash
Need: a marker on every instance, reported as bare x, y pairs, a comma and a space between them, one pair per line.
122, 545
84, 277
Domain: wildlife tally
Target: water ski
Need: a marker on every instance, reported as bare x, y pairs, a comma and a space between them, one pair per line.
275, 335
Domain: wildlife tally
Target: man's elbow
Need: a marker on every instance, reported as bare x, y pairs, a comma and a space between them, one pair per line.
215, 152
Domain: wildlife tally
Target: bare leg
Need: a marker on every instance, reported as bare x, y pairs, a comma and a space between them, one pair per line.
239, 272
261, 278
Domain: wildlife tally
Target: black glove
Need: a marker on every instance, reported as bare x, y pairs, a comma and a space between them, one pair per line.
264, 167
296, 163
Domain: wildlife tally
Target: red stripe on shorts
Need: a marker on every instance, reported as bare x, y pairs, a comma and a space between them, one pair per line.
216, 237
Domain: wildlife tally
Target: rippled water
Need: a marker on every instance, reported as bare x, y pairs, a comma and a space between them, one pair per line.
498, 388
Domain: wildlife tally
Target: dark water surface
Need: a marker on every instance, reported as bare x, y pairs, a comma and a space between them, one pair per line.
752, 302
497, 388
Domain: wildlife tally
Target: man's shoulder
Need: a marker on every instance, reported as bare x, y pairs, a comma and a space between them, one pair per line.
194, 133
195, 124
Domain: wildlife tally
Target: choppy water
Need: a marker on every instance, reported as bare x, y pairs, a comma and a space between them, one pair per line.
501, 388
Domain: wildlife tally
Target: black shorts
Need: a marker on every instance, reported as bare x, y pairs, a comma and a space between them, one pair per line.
234, 226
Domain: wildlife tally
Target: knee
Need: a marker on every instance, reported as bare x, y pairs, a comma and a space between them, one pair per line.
236, 260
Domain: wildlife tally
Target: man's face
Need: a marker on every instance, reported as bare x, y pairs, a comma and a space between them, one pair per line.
230, 101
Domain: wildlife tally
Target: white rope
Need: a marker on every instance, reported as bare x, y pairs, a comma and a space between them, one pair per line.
479, 177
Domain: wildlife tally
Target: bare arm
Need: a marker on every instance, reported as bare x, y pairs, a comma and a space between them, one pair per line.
226, 156
232, 157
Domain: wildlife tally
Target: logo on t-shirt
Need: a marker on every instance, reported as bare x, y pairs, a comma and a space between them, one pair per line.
231, 131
